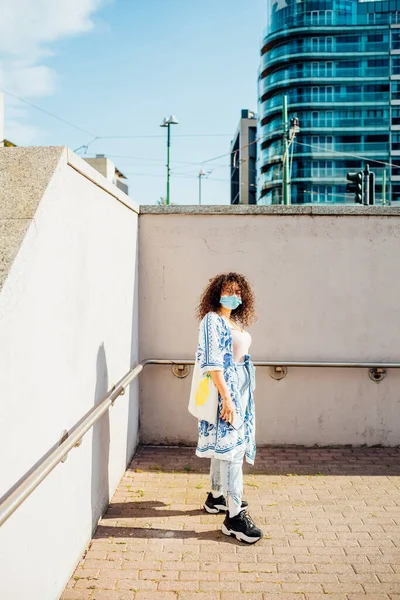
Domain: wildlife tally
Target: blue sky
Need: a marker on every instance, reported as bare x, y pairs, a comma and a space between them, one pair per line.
120, 66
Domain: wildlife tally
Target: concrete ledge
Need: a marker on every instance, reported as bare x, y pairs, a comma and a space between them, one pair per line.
309, 209
80, 165
25, 174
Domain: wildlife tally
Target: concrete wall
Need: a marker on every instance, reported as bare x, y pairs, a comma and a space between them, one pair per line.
68, 331
327, 289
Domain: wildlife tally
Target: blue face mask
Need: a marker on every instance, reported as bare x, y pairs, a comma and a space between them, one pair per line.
230, 302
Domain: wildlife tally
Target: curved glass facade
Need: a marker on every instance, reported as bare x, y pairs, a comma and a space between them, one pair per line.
338, 64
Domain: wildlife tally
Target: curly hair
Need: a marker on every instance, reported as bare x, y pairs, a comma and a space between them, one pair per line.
210, 298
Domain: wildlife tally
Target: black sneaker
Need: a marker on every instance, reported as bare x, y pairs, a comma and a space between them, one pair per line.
242, 527
215, 505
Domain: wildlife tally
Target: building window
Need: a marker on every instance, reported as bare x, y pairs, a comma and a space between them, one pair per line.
322, 44
396, 39
395, 17
396, 115
321, 143
322, 168
322, 193
321, 17
395, 192
375, 38
396, 65
395, 141
395, 90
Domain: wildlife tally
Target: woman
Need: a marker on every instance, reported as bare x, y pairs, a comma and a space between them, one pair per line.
226, 307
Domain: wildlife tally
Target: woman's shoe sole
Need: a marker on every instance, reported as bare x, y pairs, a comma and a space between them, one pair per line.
217, 509
240, 536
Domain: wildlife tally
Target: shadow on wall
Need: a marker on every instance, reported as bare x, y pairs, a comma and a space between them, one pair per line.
100, 444
132, 436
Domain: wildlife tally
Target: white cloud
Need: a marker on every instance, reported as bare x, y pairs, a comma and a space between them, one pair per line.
27, 29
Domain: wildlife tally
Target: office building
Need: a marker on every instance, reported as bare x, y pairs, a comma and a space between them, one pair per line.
243, 160
338, 63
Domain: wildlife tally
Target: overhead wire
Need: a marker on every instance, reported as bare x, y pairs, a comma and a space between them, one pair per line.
160, 160
235, 152
182, 176
46, 112
329, 151
104, 137
96, 137
179, 135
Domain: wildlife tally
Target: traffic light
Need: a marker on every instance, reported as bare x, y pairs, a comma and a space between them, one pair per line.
371, 189
355, 186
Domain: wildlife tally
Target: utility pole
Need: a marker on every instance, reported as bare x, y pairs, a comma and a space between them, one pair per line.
366, 186
167, 122
201, 175
285, 159
371, 197
384, 187
168, 162
294, 129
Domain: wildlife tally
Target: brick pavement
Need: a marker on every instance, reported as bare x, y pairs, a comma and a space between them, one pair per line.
331, 519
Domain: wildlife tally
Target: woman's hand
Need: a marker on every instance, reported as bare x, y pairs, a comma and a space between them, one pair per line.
228, 411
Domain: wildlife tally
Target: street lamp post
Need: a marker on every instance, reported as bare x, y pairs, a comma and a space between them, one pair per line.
167, 122
203, 174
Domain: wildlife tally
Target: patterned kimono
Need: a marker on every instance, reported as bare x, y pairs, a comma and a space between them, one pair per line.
215, 352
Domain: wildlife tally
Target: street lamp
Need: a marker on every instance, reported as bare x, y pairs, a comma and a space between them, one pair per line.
167, 122
202, 174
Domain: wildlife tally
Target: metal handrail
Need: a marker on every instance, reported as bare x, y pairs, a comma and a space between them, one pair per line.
25, 489
283, 363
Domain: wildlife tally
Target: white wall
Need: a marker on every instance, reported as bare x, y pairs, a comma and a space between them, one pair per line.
327, 289
68, 331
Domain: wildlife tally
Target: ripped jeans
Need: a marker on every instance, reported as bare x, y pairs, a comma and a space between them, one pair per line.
227, 478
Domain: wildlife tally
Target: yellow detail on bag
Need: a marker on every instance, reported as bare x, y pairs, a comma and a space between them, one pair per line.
203, 391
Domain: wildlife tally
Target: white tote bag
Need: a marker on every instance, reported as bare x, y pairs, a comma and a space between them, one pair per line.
203, 401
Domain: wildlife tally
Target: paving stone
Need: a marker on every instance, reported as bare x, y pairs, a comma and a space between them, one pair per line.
331, 516
76, 594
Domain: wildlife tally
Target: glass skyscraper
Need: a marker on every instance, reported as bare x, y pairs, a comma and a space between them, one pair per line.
338, 63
